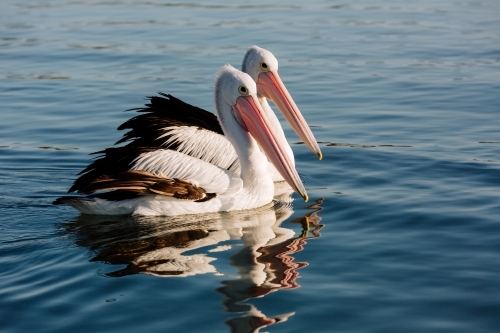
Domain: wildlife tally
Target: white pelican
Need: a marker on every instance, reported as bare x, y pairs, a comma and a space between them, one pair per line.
172, 124
155, 181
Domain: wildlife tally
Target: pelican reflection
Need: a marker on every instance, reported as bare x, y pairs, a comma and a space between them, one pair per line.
259, 248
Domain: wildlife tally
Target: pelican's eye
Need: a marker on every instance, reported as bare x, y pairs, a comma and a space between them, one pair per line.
243, 90
264, 66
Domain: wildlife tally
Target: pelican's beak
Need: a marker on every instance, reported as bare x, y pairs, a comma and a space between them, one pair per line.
251, 116
271, 87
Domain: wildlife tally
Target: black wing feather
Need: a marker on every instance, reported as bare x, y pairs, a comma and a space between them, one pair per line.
147, 128
146, 133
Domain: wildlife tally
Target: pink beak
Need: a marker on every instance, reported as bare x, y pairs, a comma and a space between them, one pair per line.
271, 87
249, 111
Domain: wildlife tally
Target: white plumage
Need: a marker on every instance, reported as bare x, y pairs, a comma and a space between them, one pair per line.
172, 164
203, 144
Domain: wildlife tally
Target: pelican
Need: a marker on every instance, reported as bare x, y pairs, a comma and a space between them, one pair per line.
169, 123
157, 181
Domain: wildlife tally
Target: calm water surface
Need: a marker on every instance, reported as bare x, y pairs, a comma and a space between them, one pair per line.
404, 214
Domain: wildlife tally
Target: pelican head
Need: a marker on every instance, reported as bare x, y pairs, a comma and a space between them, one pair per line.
262, 66
238, 92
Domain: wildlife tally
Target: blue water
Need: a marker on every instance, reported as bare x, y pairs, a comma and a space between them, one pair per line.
404, 213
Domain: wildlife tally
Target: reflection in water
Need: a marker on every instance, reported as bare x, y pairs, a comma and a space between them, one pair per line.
164, 246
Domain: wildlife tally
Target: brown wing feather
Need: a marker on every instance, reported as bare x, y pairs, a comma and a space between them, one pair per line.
140, 181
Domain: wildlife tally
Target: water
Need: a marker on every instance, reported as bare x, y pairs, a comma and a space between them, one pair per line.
404, 212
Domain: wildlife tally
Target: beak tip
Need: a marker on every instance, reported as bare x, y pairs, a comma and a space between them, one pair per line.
306, 197
320, 156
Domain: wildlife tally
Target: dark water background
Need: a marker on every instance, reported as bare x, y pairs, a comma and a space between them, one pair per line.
404, 97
